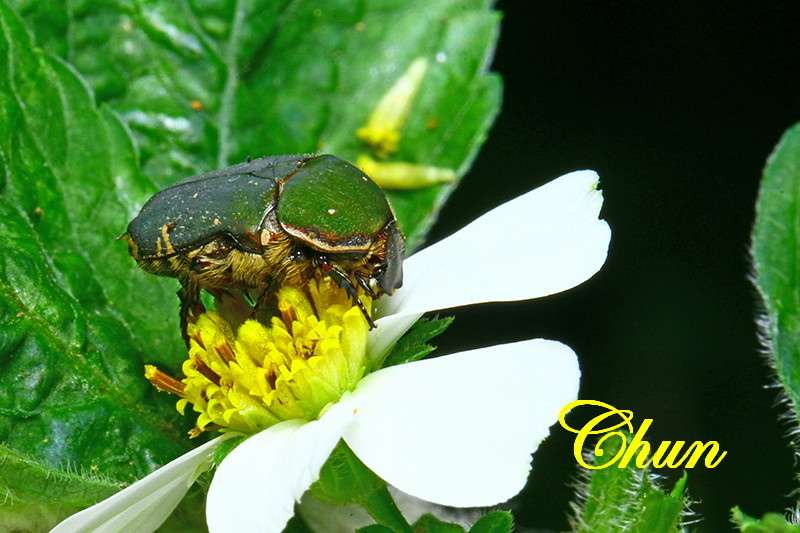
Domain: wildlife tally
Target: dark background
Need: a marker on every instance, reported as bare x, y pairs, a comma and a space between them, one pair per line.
677, 107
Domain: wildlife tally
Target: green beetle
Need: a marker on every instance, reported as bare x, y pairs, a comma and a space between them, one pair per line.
267, 222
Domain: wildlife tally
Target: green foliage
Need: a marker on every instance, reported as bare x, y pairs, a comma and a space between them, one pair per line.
413, 345
626, 500
345, 479
769, 523
430, 524
375, 528
206, 84
496, 522
37, 496
182, 88
73, 402
776, 248
61, 486
297, 525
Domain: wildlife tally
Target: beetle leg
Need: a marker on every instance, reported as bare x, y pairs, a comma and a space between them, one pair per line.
365, 313
266, 299
364, 282
344, 282
191, 306
217, 292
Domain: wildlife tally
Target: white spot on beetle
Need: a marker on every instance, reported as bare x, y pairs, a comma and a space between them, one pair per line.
331, 211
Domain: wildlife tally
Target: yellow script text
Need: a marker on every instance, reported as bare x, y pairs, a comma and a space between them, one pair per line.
666, 455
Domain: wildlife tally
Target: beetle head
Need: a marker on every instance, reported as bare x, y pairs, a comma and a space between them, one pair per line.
390, 275
378, 270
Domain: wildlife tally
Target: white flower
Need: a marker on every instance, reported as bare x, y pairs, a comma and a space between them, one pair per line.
457, 430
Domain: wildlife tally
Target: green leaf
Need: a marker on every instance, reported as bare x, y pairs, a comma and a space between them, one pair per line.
297, 525
375, 528
430, 524
776, 257
73, 402
769, 523
413, 345
62, 486
345, 479
206, 84
629, 499
496, 522
34, 518
38, 496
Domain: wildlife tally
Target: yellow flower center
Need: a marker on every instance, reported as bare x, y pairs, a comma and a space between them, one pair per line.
251, 379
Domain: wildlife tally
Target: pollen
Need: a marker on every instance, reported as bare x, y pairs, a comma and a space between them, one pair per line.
302, 361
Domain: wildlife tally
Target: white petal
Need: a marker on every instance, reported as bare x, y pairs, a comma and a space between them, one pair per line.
540, 243
145, 505
460, 430
256, 486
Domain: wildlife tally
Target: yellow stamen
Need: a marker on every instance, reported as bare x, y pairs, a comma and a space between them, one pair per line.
248, 380
162, 381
